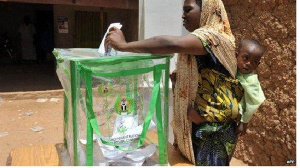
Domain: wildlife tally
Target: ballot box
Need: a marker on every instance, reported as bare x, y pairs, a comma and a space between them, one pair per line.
115, 107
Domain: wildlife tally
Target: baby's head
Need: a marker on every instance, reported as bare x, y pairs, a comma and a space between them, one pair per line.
249, 53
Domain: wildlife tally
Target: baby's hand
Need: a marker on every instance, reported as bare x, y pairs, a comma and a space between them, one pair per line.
193, 116
242, 129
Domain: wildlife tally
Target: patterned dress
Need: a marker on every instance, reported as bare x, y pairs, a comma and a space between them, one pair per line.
215, 94
217, 100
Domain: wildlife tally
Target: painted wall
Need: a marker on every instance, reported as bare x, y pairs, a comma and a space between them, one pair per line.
158, 17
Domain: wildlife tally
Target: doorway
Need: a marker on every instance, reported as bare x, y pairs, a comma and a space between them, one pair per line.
44, 35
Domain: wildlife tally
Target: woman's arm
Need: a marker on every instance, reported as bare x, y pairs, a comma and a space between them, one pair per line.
188, 44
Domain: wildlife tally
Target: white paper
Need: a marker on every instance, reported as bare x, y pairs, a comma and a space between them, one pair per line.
129, 126
101, 49
3, 134
42, 100
84, 141
54, 100
37, 129
117, 157
110, 152
142, 154
29, 113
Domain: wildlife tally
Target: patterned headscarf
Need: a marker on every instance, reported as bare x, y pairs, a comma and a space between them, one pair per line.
215, 31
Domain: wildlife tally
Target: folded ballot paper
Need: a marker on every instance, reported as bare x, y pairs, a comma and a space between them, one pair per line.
110, 50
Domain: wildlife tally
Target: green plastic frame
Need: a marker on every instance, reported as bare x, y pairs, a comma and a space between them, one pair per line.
81, 68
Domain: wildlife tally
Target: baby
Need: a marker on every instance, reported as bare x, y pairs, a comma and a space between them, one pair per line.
249, 53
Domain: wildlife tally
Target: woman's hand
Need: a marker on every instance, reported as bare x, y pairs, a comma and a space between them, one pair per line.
193, 116
115, 38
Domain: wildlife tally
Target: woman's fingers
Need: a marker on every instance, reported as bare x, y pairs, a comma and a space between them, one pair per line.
107, 38
114, 38
113, 29
106, 43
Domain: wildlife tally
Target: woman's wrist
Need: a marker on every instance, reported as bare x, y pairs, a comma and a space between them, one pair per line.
123, 47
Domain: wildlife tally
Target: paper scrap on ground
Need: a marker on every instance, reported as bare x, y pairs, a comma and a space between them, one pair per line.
83, 141
101, 49
54, 100
3, 134
42, 100
37, 129
29, 113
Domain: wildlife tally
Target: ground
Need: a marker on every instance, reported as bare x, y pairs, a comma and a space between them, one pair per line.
22, 86
17, 124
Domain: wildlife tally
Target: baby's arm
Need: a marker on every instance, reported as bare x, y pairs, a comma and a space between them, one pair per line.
252, 99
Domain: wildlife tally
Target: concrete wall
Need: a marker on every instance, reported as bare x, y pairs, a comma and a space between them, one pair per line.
271, 139
129, 19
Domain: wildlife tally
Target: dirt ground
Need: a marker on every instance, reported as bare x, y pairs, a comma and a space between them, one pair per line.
15, 122
21, 87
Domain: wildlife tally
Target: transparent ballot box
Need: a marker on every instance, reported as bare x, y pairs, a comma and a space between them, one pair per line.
115, 107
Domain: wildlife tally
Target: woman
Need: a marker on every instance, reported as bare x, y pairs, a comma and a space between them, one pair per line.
205, 79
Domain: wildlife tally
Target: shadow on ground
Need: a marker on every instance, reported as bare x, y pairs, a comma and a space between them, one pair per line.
28, 76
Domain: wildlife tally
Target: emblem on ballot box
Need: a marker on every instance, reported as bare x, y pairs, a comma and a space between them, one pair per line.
126, 125
124, 105
104, 89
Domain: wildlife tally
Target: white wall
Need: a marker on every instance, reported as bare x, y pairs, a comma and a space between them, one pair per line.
162, 17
